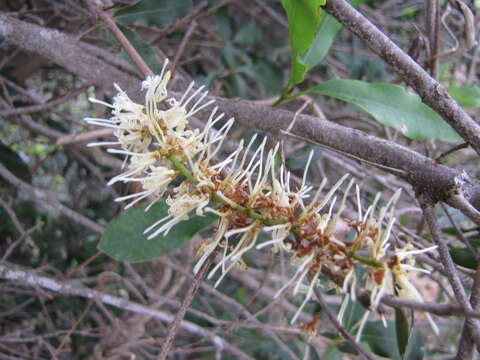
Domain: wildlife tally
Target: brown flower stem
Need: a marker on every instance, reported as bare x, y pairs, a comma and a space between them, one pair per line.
122, 39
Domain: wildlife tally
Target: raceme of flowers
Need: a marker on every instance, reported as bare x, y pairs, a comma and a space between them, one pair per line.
250, 196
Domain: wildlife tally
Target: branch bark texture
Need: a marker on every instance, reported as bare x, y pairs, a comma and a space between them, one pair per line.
426, 176
431, 91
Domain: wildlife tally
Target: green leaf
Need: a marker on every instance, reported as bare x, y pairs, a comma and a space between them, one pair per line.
353, 314
124, 240
390, 105
402, 330
154, 12
324, 36
266, 74
303, 20
249, 34
145, 51
466, 96
382, 340
415, 349
463, 257
332, 353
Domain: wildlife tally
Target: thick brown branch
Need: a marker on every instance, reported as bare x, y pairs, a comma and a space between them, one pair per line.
427, 177
66, 51
431, 91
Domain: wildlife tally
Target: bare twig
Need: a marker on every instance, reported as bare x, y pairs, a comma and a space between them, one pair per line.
122, 39
83, 137
331, 316
460, 235
183, 44
29, 277
432, 14
43, 199
466, 345
452, 274
41, 107
173, 328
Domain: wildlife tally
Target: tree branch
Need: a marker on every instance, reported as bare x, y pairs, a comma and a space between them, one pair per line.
42, 198
423, 174
431, 91
472, 326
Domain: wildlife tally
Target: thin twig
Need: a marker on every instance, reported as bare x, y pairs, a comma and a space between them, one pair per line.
466, 345
460, 233
43, 199
41, 107
183, 45
458, 201
122, 39
174, 326
331, 316
387, 168
450, 151
83, 137
29, 277
450, 268
432, 14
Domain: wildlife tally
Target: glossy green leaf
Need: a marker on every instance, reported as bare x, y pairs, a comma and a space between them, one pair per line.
124, 240
402, 329
382, 340
154, 12
303, 20
328, 29
463, 257
324, 36
390, 105
466, 96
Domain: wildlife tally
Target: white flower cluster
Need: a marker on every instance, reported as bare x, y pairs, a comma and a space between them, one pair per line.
250, 196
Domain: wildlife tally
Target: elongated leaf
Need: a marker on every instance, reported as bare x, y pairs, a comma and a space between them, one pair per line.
463, 257
353, 314
154, 12
466, 96
324, 37
402, 329
382, 340
326, 32
124, 240
390, 105
303, 20
415, 349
